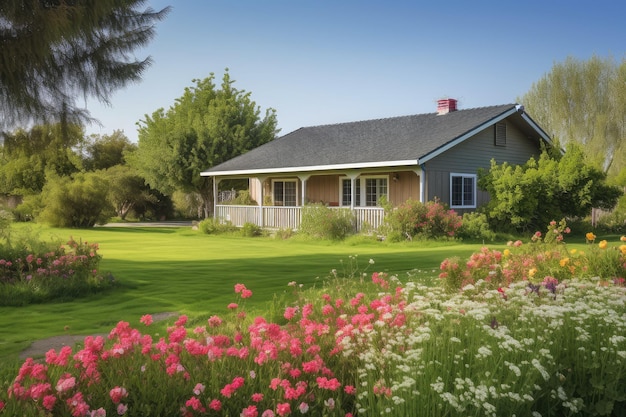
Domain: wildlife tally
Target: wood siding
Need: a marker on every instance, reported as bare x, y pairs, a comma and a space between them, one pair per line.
472, 154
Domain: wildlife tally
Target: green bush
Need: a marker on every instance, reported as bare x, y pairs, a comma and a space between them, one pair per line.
212, 226
475, 226
243, 199
251, 230
321, 222
415, 219
80, 201
283, 234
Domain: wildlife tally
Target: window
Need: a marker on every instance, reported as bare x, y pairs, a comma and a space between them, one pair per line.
500, 134
462, 191
375, 187
285, 192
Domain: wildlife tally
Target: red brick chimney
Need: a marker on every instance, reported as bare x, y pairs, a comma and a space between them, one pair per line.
446, 105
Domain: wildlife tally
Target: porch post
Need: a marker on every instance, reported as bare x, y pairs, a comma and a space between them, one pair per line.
262, 182
303, 179
422, 174
353, 176
216, 182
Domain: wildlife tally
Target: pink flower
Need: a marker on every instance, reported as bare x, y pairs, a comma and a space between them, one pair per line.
48, 402
268, 413
146, 319
215, 405
290, 312
239, 288
195, 404
121, 409
257, 397
283, 409
232, 306
246, 293
214, 321
303, 407
249, 411
66, 383
199, 388
117, 394
100, 412
349, 389
182, 320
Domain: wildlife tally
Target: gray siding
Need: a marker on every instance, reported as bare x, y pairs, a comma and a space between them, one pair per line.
472, 154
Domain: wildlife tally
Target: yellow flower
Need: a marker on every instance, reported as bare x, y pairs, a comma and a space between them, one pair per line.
564, 262
506, 253
573, 251
603, 244
532, 272
623, 249
623, 238
590, 237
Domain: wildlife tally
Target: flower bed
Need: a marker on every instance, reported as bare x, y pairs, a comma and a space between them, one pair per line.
62, 272
357, 346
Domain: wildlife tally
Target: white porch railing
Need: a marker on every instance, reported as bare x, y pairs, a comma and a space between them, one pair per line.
289, 217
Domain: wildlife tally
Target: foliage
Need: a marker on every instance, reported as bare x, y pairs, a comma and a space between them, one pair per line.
106, 151
79, 201
283, 234
412, 218
251, 230
68, 50
530, 195
32, 271
205, 127
321, 222
475, 226
126, 190
354, 346
212, 226
545, 260
584, 102
243, 199
6, 217
27, 157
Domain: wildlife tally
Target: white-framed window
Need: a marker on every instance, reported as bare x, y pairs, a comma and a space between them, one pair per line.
369, 189
285, 192
462, 190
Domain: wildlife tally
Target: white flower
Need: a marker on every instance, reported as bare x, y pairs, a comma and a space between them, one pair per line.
371, 262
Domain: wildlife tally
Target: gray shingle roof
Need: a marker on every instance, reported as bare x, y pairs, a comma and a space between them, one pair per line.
380, 140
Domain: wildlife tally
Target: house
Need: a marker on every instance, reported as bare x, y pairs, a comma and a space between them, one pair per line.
351, 165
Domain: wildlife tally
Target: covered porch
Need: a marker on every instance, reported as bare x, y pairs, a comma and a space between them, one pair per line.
280, 196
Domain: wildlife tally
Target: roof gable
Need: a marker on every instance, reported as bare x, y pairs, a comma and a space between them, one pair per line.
405, 140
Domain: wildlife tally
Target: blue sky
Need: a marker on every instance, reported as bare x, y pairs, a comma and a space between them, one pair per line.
321, 62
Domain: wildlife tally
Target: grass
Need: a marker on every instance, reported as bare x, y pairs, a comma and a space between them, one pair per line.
183, 271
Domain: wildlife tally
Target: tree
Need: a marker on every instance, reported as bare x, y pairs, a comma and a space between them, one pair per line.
205, 127
127, 190
28, 155
584, 102
106, 151
52, 52
529, 196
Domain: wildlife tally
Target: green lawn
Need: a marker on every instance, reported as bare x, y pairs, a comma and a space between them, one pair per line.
183, 271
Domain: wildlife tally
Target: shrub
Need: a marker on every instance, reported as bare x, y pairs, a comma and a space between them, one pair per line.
414, 219
283, 234
251, 230
212, 226
80, 201
243, 199
322, 222
476, 227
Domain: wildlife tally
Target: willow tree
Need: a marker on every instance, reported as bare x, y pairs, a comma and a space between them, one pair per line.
54, 52
204, 127
584, 102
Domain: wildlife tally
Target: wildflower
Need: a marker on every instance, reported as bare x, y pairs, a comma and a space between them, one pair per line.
349, 389
283, 409
257, 397
182, 320
303, 407
121, 409
563, 262
371, 262
199, 388
146, 319
603, 244
290, 312
268, 413
622, 249
233, 306
66, 382
100, 412
117, 394
623, 238
330, 403
215, 405
532, 272
214, 321
246, 293
250, 411
590, 237
506, 253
